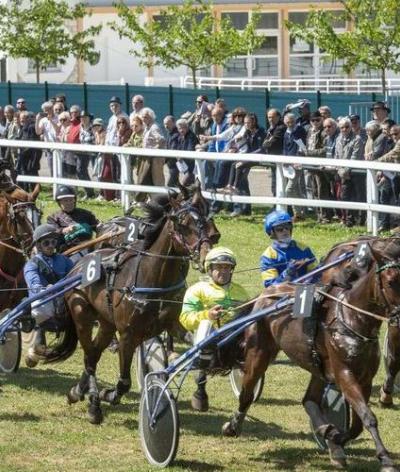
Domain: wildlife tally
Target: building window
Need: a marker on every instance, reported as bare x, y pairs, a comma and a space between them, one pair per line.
264, 61
50, 68
307, 60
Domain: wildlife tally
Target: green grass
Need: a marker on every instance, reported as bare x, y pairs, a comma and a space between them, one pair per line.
39, 431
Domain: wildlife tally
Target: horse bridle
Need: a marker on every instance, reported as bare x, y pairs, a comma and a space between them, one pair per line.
394, 313
192, 250
22, 239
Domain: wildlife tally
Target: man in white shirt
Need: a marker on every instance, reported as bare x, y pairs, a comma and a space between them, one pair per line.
47, 127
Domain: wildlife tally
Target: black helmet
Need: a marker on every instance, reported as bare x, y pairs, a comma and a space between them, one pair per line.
43, 231
64, 191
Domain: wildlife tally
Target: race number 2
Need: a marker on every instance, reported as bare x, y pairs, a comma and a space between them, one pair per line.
131, 231
91, 270
303, 302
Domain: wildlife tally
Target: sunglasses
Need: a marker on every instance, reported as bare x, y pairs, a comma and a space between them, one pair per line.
281, 228
20, 103
316, 119
49, 242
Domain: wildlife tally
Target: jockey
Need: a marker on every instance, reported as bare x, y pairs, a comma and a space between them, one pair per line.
42, 270
208, 305
211, 301
285, 259
75, 225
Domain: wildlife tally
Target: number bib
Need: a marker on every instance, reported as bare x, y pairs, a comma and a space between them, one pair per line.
91, 270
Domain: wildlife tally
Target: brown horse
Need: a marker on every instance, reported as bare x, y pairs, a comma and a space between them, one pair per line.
140, 297
351, 271
338, 346
17, 219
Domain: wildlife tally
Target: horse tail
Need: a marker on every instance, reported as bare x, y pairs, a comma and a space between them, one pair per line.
66, 346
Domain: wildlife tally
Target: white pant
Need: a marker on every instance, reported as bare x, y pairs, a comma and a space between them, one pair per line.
204, 330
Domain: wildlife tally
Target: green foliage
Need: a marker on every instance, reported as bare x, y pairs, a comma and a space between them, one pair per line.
38, 31
185, 35
373, 39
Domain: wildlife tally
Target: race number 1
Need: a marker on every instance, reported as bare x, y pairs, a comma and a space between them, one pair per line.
303, 302
131, 231
91, 270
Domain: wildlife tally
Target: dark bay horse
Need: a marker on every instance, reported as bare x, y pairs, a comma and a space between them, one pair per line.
140, 297
339, 346
18, 216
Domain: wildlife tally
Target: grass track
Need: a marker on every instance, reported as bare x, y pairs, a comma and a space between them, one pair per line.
39, 431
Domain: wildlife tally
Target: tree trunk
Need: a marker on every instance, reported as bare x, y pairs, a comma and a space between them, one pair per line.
37, 67
194, 78
383, 79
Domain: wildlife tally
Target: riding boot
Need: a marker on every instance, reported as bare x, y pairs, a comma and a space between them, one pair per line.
36, 349
200, 398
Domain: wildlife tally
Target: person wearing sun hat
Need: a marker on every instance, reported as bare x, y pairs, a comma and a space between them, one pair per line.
380, 111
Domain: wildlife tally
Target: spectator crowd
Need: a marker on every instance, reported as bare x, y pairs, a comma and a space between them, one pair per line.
211, 127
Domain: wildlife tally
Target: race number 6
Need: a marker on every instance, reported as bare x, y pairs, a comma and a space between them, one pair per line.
91, 270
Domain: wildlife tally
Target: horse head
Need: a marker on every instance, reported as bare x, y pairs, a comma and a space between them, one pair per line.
19, 217
210, 234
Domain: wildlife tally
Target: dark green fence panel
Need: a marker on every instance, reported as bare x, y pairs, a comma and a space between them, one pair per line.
183, 100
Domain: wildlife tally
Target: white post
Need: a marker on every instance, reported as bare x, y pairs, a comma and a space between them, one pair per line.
126, 178
201, 172
280, 186
57, 169
372, 197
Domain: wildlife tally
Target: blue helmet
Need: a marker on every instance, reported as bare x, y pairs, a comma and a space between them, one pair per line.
276, 218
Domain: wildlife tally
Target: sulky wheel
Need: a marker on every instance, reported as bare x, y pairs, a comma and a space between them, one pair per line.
158, 423
10, 349
150, 357
336, 410
236, 379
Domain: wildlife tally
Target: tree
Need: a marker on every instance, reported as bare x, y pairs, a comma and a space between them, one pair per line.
373, 39
185, 35
39, 32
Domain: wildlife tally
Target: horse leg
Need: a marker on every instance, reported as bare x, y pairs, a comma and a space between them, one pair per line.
393, 366
127, 346
200, 398
83, 316
171, 353
258, 358
77, 393
311, 402
358, 397
37, 348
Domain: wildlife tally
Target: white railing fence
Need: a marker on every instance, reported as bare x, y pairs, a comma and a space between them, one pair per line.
309, 84
127, 188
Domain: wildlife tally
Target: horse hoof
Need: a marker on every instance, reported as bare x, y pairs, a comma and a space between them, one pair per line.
199, 403
385, 399
109, 395
339, 462
95, 416
229, 431
72, 397
389, 468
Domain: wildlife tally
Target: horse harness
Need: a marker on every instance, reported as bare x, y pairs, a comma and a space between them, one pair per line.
113, 263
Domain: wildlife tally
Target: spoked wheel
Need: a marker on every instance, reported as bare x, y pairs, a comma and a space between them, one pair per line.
151, 356
236, 379
158, 424
396, 385
10, 352
336, 410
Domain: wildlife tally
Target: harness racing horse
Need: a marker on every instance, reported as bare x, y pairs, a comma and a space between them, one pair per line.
18, 218
340, 345
350, 273
139, 295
